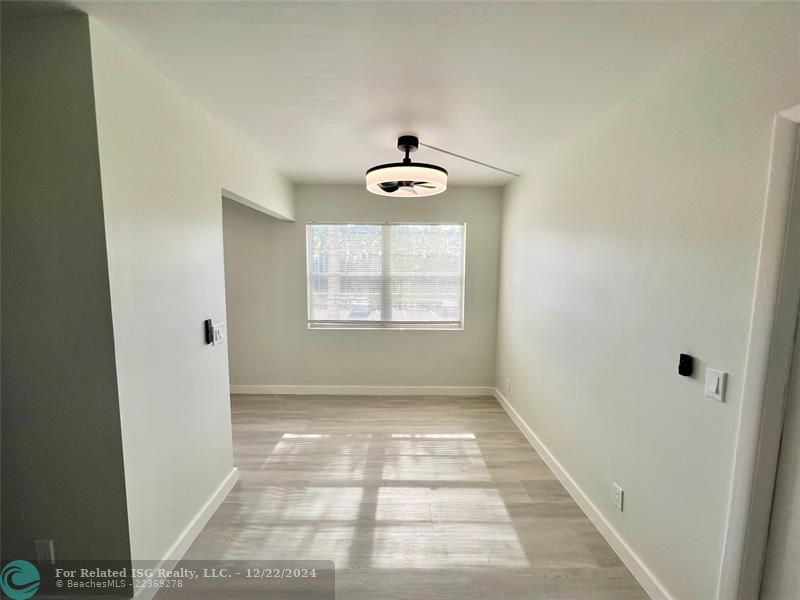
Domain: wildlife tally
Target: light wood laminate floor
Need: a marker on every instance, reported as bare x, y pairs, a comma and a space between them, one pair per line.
413, 498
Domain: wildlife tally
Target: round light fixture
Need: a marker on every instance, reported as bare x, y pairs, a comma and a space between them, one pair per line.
407, 179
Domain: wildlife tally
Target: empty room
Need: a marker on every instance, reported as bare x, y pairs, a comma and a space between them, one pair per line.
400, 300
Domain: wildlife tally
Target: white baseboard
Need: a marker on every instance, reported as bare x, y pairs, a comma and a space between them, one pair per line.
363, 390
192, 530
654, 588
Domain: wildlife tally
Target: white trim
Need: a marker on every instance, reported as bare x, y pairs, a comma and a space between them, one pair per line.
767, 365
192, 530
345, 325
254, 205
362, 390
646, 578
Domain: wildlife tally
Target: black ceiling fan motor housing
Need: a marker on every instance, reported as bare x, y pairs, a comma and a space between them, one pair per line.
408, 143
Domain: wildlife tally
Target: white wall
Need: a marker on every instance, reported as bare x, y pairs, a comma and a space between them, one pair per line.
635, 241
265, 260
781, 577
164, 163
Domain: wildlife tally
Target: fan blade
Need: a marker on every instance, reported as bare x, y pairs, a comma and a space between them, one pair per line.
409, 188
389, 187
425, 185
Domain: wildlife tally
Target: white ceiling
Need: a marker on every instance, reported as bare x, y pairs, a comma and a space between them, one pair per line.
326, 87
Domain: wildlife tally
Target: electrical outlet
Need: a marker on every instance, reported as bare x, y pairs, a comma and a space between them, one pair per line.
508, 385
45, 552
618, 496
219, 334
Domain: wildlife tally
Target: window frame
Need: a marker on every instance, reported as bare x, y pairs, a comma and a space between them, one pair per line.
363, 325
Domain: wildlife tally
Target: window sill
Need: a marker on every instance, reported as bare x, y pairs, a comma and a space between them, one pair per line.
386, 327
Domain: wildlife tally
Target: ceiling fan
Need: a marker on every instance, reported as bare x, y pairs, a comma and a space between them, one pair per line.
409, 179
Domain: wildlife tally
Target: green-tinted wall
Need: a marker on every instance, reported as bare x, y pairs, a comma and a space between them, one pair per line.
62, 468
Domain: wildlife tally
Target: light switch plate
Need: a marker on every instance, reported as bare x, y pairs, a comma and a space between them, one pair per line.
219, 334
715, 384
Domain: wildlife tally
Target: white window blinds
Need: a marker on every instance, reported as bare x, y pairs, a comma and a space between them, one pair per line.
391, 275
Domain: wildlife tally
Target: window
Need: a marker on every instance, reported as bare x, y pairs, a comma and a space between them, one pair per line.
390, 275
